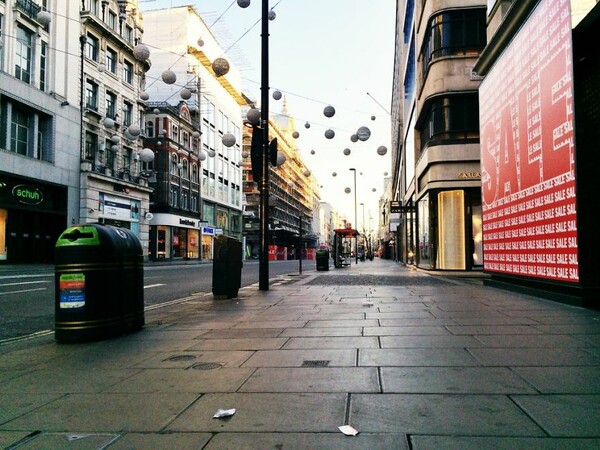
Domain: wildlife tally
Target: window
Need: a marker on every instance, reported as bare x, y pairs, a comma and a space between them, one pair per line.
111, 60
92, 47
91, 145
111, 105
454, 32
450, 119
111, 154
23, 54
25, 130
185, 136
127, 158
127, 113
112, 20
127, 72
43, 64
91, 95
150, 129
1, 46
129, 34
175, 133
174, 170
194, 173
19, 132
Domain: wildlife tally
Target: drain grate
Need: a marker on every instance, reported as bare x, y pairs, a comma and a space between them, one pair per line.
315, 363
180, 358
207, 366
368, 305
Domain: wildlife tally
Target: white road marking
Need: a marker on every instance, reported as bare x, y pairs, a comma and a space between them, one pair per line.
154, 285
24, 290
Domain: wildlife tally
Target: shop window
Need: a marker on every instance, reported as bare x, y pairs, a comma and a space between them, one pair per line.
451, 230
3, 246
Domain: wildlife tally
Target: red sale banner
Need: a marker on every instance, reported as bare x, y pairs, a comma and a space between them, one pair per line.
527, 151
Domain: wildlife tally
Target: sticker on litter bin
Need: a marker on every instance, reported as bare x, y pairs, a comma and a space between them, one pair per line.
72, 290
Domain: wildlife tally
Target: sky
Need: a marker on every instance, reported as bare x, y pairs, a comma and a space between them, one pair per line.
321, 52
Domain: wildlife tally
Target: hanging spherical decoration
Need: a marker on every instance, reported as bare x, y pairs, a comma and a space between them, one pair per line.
44, 18
280, 159
372, 117
381, 150
354, 138
243, 3
144, 96
363, 133
312, 152
128, 135
374, 190
329, 111
306, 173
196, 134
253, 116
168, 76
295, 135
220, 67
347, 190
185, 94
115, 138
156, 111
200, 42
347, 151
228, 140
146, 155
202, 156
271, 15
277, 94
307, 125
245, 154
385, 174
134, 130
290, 183
108, 122
329, 134
159, 143
114, 148
141, 52
211, 153
334, 174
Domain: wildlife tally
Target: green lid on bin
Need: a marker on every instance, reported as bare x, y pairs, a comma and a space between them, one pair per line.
78, 235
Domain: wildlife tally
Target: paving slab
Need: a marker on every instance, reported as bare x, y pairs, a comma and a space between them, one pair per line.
562, 380
315, 332
296, 358
478, 415
304, 441
500, 443
217, 379
264, 413
242, 333
239, 344
104, 413
325, 379
429, 341
406, 331
154, 441
449, 380
532, 340
16, 404
353, 342
68, 441
342, 323
563, 415
534, 357
187, 359
416, 357
479, 330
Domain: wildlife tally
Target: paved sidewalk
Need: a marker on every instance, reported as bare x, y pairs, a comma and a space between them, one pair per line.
408, 359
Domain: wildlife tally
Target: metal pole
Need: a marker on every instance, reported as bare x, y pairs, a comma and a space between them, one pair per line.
300, 246
355, 219
263, 270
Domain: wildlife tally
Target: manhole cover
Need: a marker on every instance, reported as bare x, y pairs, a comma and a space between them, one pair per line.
180, 358
207, 366
315, 363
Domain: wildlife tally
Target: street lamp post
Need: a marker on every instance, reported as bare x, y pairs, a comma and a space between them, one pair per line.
355, 218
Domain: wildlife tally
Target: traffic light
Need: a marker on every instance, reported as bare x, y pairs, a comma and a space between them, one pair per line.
273, 152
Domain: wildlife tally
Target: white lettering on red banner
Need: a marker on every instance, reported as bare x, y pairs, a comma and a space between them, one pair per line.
527, 151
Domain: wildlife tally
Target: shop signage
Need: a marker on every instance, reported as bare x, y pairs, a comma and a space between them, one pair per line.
188, 222
528, 152
469, 175
208, 230
30, 195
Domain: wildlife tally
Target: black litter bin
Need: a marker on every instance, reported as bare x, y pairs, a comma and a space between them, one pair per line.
227, 267
322, 259
99, 283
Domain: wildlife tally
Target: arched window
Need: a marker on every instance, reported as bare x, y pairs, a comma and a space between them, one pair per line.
174, 161
194, 173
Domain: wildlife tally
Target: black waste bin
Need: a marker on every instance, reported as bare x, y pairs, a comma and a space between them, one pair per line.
322, 259
99, 283
227, 267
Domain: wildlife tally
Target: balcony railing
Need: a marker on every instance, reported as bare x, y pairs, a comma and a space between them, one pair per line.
28, 7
